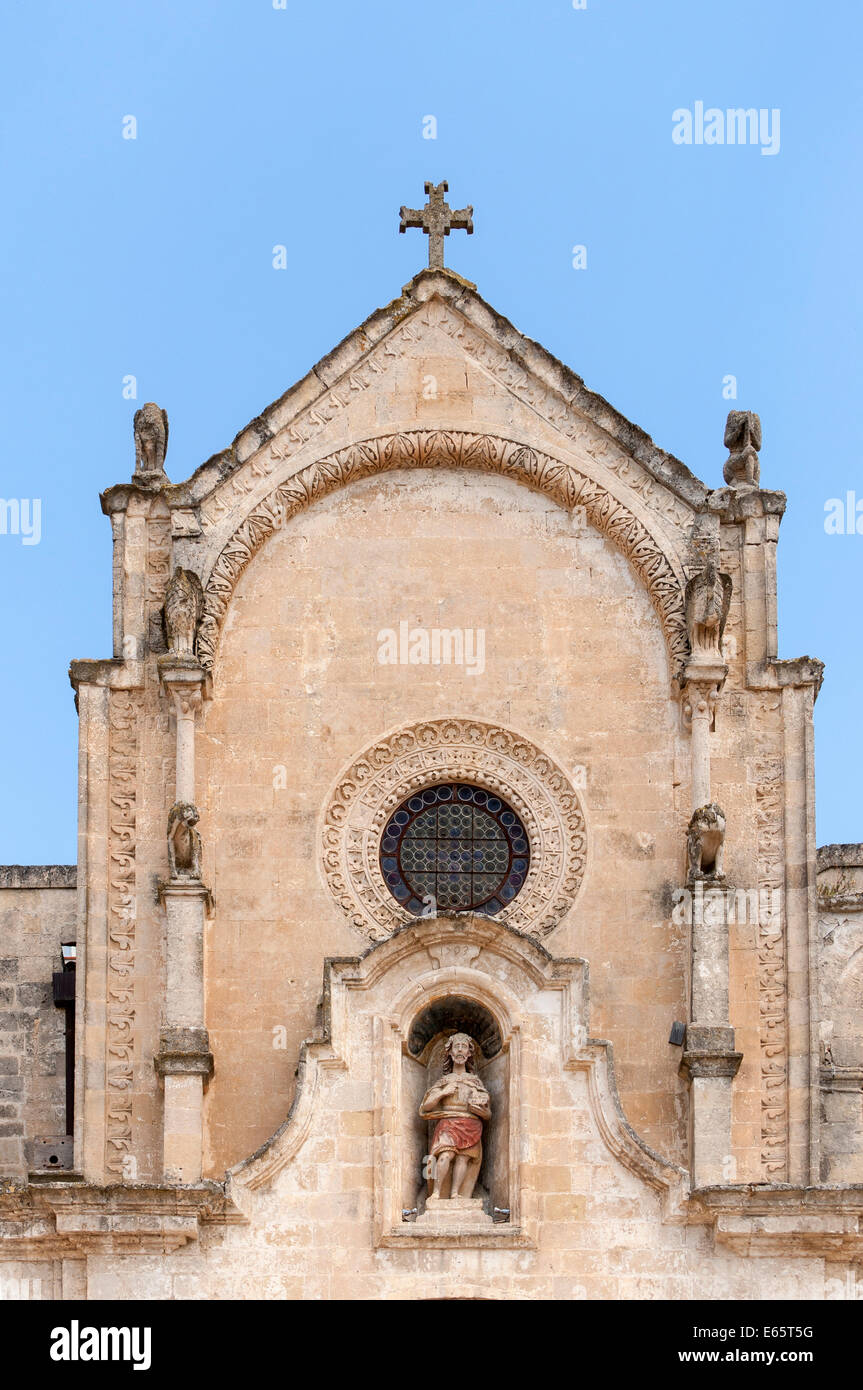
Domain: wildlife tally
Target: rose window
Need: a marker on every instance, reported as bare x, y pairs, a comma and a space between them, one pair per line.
454, 847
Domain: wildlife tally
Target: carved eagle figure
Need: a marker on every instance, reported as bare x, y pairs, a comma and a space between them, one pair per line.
184, 603
708, 597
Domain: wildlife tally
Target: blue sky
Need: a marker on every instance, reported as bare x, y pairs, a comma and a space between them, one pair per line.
303, 126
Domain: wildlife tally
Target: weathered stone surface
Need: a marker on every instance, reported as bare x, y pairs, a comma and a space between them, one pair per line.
440, 470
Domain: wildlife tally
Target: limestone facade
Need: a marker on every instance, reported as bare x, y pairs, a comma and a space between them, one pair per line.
254, 1034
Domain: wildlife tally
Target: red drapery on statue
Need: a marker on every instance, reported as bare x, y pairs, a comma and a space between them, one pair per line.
459, 1133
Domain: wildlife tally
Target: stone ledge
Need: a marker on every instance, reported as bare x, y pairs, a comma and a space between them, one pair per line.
494, 1237
832, 1078
739, 504
826, 1235
50, 1220
774, 674
184, 1052
112, 671
839, 857
698, 1065
840, 903
38, 875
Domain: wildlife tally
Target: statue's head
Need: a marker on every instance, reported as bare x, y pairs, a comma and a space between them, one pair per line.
183, 812
462, 1049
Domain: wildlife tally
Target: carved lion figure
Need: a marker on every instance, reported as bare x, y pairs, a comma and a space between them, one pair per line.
184, 604
151, 439
707, 600
743, 441
184, 842
705, 841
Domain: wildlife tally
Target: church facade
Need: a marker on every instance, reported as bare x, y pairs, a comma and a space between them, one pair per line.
448, 920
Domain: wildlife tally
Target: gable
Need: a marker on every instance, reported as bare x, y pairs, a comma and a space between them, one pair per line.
452, 385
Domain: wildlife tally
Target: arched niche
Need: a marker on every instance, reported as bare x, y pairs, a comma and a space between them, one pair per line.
423, 1063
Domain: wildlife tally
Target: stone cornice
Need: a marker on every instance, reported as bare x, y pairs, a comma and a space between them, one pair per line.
839, 857
735, 505
781, 1220
49, 1220
38, 875
117, 498
774, 674
112, 671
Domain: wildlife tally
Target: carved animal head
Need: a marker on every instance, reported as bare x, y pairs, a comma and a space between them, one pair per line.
182, 813
710, 817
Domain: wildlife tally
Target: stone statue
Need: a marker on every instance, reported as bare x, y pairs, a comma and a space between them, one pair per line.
184, 842
459, 1102
184, 603
743, 441
707, 600
705, 841
151, 442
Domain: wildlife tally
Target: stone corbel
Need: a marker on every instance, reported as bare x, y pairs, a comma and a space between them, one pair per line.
184, 1052
709, 1052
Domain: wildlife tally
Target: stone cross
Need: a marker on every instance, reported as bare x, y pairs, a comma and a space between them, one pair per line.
436, 219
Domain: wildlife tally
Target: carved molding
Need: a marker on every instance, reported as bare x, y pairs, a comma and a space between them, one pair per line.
772, 1003
553, 405
588, 435
441, 750
492, 964
124, 714
449, 449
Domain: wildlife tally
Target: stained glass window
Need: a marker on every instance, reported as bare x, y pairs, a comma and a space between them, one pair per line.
457, 844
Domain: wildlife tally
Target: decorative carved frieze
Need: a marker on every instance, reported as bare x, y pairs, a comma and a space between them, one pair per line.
449, 449
158, 574
772, 1001
123, 733
437, 751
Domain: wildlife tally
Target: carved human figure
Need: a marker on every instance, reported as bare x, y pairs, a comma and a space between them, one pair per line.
460, 1103
705, 842
743, 441
708, 596
151, 439
184, 602
184, 842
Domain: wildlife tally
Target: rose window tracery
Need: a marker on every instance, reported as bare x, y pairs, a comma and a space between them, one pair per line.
456, 845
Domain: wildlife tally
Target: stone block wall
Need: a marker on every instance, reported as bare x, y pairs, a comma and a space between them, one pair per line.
840, 921
37, 912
